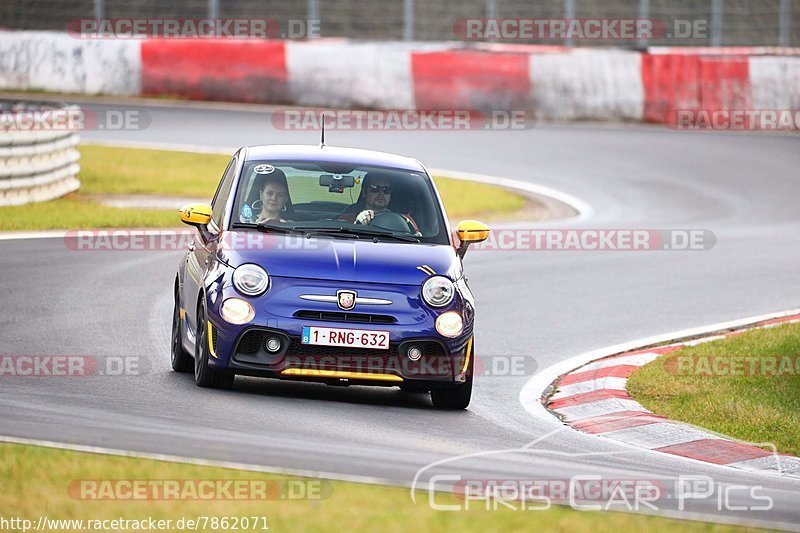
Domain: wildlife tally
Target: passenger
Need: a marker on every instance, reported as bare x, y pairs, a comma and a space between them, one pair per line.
273, 202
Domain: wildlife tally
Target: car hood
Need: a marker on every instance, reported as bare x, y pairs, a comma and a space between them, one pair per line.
336, 259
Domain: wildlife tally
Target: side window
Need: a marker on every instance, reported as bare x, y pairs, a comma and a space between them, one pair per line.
224, 189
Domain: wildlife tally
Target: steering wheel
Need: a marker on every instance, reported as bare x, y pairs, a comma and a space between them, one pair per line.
391, 221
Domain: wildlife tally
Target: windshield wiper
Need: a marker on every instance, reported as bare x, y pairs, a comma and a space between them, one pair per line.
307, 231
266, 226
364, 232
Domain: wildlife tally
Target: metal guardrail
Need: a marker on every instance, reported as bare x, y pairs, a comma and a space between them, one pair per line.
724, 22
36, 165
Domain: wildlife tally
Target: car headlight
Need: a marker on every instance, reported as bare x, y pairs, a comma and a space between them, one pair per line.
450, 324
251, 280
237, 311
438, 291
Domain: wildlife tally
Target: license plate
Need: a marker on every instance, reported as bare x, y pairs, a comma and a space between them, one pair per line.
352, 338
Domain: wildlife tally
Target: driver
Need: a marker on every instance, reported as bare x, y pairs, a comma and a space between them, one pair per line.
376, 195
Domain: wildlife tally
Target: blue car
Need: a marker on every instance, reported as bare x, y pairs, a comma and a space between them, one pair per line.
326, 264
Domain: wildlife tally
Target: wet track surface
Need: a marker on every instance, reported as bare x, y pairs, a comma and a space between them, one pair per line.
549, 305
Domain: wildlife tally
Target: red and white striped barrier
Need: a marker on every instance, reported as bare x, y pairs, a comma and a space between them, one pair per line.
593, 399
555, 82
231, 70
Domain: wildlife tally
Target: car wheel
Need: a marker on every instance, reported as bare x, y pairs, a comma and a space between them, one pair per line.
455, 396
204, 375
181, 359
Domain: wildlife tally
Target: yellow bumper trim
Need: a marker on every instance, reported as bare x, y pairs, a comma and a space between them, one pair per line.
211, 349
469, 354
339, 374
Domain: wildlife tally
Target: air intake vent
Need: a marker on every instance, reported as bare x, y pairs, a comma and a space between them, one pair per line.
250, 343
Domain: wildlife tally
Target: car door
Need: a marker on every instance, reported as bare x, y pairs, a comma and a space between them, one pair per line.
203, 248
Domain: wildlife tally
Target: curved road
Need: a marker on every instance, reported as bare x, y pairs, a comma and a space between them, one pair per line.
546, 305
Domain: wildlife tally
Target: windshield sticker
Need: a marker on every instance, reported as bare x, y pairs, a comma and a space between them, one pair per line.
264, 169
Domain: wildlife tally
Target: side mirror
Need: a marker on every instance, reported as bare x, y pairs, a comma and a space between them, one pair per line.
196, 215
470, 232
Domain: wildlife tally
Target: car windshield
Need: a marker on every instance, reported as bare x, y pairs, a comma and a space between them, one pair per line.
341, 200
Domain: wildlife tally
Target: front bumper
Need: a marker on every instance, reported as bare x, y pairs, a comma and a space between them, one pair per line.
281, 314
295, 360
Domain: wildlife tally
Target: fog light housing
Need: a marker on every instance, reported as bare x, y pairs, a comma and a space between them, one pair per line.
237, 311
273, 344
450, 324
414, 353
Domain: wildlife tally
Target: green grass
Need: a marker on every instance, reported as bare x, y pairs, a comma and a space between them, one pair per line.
75, 211
113, 170
477, 200
36, 481
761, 406
131, 171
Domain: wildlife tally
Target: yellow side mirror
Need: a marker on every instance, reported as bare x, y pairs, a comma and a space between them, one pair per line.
470, 232
196, 214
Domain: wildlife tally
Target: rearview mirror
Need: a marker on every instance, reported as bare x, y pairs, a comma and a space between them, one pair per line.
336, 182
470, 232
196, 215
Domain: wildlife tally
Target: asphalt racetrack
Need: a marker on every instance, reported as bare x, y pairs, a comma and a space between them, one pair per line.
548, 305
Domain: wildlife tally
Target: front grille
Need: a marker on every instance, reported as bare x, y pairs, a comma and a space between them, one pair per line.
335, 316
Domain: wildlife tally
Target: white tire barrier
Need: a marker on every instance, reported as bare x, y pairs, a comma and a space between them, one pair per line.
36, 166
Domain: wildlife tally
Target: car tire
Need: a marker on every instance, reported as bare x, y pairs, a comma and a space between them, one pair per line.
204, 375
181, 359
455, 396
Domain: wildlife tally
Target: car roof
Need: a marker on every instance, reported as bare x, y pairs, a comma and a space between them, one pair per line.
331, 154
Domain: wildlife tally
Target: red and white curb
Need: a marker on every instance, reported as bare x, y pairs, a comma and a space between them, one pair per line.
593, 399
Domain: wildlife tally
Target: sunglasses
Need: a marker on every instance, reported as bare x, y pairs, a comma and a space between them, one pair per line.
386, 189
